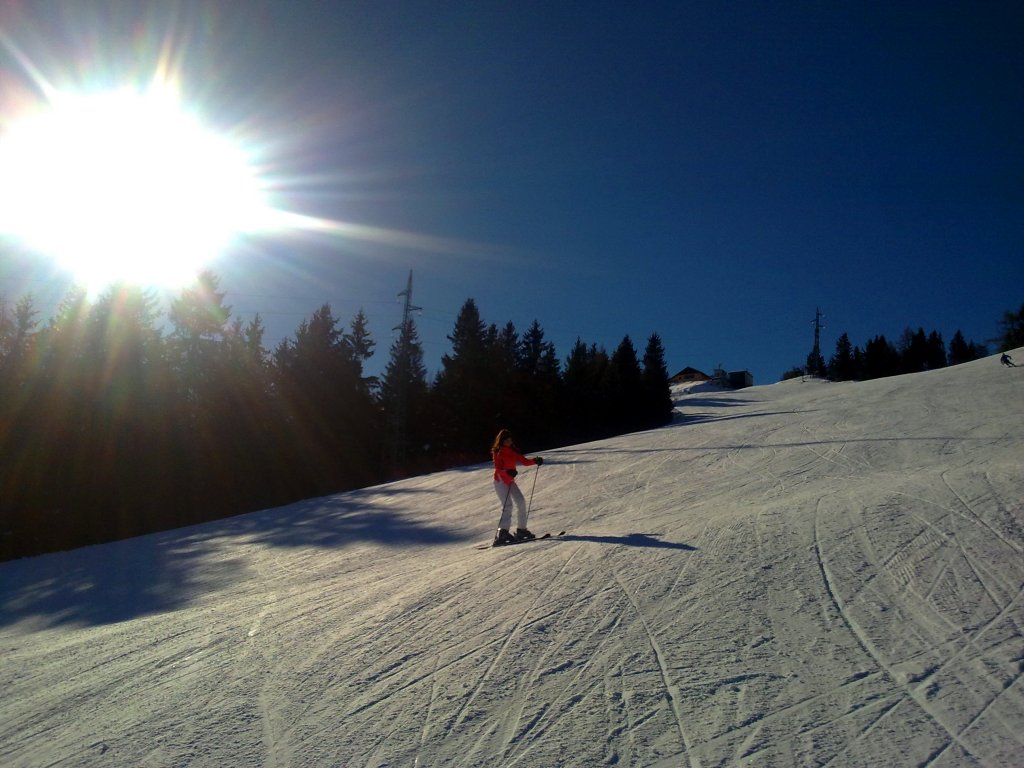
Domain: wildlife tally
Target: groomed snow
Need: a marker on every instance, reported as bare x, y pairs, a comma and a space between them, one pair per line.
797, 574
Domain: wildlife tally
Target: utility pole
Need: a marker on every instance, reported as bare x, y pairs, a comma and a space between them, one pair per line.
398, 409
817, 329
815, 362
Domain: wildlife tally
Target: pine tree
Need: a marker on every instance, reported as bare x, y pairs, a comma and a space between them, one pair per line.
504, 345
581, 404
100, 402
913, 351
1012, 330
959, 352
507, 405
328, 407
816, 364
254, 355
403, 396
842, 367
537, 357
657, 393
538, 367
962, 351
361, 345
623, 388
880, 359
467, 394
254, 432
200, 319
17, 330
468, 336
935, 352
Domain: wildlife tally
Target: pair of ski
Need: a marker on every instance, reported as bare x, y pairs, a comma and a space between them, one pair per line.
523, 541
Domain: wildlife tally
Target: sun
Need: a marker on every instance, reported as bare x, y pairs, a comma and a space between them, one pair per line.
126, 186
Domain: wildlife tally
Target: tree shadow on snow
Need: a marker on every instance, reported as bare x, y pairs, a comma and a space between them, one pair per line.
633, 540
337, 521
162, 572
113, 582
713, 402
686, 420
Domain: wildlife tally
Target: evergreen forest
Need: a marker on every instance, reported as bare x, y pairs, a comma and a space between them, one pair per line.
118, 418
913, 352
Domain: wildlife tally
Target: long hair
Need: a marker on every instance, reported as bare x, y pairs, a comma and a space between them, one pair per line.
502, 436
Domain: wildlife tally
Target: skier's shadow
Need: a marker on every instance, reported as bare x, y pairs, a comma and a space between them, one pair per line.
633, 540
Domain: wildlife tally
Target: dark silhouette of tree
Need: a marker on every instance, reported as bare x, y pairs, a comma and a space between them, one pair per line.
582, 406
859, 362
959, 351
880, 359
329, 412
843, 366
466, 395
361, 344
795, 372
919, 352
200, 319
199, 352
538, 371
962, 351
935, 352
404, 397
130, 395
250, 443
816, 364
1011, 330
623, 388
40, 434
656, 401
17, 330
913, 350
507, 404
99, 409
504, 346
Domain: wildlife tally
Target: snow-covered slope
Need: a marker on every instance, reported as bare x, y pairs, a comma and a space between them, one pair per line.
798, 574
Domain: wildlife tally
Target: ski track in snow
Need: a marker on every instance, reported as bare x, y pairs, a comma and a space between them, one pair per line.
799, 574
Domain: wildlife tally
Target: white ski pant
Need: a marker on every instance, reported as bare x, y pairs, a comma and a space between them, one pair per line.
510, 495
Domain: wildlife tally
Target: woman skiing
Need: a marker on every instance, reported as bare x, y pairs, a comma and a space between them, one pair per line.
506, 457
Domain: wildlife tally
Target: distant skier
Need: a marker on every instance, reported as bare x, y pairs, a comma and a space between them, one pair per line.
506, 456
1007, 361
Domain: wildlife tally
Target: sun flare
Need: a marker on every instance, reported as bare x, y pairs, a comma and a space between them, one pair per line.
125, 186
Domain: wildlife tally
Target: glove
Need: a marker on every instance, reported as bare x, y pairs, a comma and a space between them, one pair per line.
511, 472
539, 460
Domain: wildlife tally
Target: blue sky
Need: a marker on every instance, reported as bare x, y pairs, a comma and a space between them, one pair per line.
712, 172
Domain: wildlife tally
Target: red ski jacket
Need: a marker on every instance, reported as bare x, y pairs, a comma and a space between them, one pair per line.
505, 459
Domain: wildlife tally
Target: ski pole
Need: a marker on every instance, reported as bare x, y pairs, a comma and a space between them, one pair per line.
532, 489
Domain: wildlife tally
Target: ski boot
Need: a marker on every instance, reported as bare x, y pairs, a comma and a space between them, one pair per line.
522, 534
503, 537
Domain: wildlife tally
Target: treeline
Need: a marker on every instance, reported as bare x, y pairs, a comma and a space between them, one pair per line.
116, 420
913, 353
